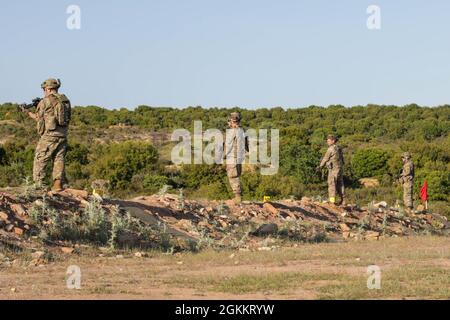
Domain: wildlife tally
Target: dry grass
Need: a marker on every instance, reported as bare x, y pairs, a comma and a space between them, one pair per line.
412, 268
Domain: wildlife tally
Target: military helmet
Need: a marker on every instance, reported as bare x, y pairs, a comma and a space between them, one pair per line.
406, 155
235, 116
332, 137
51, 84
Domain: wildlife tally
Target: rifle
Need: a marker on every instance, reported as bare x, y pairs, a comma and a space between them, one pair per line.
25, 107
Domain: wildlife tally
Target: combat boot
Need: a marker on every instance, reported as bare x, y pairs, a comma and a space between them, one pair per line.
57, 186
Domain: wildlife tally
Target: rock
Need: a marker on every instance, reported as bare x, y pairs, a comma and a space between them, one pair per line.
344, 227
223, 223
271, 209
369, 182
9, 227
18, 231
37, 255
381, 204
119, 256
3, 216
67, 250
346, 235
266, 229
184, 224
18, 209
76, 193
140, 254
128, 239
372, 235
420, 208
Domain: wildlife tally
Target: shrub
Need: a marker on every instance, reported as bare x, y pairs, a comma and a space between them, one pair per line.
369, 162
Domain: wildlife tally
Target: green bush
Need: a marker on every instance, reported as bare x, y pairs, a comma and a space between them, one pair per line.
119, 162
369, 162
300, 161
154, 182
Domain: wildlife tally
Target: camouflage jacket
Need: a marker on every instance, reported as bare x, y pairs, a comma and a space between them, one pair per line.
333, 159
407, 174
53, 115
235, 146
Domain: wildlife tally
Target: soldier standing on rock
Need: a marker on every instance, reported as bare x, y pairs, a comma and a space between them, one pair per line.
235, 147
52, 116
407, 180
334, 161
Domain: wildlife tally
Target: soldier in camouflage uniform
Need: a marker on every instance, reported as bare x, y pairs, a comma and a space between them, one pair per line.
235, 147
52, 116
407, 180
334, 161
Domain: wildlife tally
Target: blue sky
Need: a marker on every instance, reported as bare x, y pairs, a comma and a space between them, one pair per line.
251, 53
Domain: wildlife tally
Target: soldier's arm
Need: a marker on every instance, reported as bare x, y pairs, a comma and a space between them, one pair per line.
326, 158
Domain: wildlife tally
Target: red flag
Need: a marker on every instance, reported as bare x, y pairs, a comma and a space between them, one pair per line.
423, 192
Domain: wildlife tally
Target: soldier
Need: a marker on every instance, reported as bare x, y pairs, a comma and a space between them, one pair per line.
334, 161
52, 116
407, 180
235, 147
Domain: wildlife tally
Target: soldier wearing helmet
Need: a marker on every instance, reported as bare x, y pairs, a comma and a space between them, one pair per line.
52, 116
235, 147
334, 161
407, 180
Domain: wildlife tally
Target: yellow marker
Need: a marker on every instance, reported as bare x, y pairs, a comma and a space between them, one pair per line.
266, 199
332, 199
97, 192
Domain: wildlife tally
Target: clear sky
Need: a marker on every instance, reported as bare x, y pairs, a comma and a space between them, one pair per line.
226, 53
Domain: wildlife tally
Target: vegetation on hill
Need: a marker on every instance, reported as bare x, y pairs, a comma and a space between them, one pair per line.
373, 138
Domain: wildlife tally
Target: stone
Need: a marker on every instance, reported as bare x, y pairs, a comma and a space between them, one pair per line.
369, 182
37, 255
77, 193
18, 231
344, 227
271, 209
67, 250
3, 216
372, 235
420, 208
140, 254
266, 229
18, 209
381, 204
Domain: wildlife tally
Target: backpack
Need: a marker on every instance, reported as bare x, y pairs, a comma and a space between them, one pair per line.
62, 110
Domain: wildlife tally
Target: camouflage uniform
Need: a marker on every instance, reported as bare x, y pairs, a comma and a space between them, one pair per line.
334, 161
407, 180
52, 144
235, 147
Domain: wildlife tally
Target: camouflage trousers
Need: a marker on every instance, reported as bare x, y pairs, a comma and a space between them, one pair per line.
49, 149
408, 194
335, 184
234, 172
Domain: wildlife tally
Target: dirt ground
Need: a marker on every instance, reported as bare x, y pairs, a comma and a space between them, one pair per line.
411, 268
